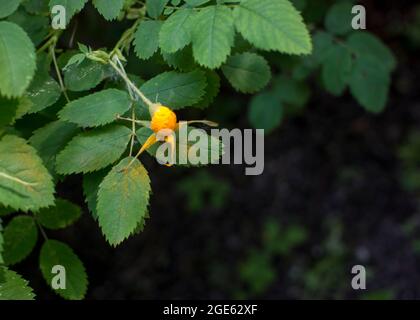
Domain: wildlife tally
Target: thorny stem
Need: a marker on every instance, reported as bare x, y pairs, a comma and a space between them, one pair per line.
24, 183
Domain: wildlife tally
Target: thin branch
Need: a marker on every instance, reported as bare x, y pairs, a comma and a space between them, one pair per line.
57, 70
133, 128
136, 90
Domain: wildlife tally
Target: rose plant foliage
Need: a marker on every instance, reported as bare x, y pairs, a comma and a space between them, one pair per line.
74, 110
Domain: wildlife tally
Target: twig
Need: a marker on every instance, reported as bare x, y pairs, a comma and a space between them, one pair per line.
57, 70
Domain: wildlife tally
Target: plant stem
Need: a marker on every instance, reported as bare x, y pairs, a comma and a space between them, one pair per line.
41, 229
143, 123
57, 70
126, 36
136, 90
133, 128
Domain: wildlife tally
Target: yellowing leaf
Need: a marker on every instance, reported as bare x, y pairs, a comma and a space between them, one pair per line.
25, 183
123, 198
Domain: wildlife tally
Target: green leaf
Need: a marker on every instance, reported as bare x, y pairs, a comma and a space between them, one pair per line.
291, 92
367, 45
265, 111
36, 27
17, 60
336, 69
273, 25
8, 7
72, 7
176, 90
196, 3
62, 215
339, 17
247, 72
369, 84
155, 7
20, 237
109, 9
24, 184
43, 92
93, 150
4, 211
146, 38
182, 60
176, 31
84, 76
213, 36
51, 139
214, 147
212, 90
323, 42
24, 107
97, 109
36, 6
55, 253
77, 59
14, 287
123, 199
91, 182
8, 110
1, 240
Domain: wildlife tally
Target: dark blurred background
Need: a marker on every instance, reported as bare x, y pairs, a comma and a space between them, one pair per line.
341, 187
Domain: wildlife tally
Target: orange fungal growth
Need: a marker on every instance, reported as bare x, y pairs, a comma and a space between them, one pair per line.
163, 118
